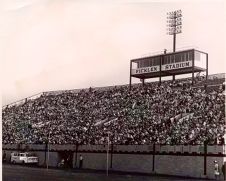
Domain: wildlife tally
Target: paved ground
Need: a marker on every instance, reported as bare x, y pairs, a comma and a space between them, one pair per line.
24, 173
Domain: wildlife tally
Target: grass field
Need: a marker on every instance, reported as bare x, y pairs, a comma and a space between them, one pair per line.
24, 173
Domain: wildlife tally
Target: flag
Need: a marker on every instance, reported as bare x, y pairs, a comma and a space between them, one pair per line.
134, 104
109, 122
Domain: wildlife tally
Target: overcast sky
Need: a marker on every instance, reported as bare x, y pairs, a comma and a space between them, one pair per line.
68, 44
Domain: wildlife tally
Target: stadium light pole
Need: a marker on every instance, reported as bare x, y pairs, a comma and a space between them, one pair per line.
48, 153
107, 154
174, 25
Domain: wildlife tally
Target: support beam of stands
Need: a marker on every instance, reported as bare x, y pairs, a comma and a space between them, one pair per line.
153, 159
111, 155
46, 145
206, 66
173, 77
143, 82
160, 73
130, 78
193, 64
76, 154
205, 156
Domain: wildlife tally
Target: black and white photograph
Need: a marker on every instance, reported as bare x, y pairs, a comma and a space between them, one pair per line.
113, 90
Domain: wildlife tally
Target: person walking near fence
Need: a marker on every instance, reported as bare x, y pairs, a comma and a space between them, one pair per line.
216, 170
80, 161
223, 170
4, 157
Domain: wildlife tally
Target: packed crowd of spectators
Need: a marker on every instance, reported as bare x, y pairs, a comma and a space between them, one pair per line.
170, 113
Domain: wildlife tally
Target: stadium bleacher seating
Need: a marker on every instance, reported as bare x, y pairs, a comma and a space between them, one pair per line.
144, 115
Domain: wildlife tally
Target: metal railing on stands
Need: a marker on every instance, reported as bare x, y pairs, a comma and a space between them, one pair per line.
23, 100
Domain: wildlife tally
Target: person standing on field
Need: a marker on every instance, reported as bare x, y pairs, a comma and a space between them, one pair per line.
216, 170
223, 170
80, 161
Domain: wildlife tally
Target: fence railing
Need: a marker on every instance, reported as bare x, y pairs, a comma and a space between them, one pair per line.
171, 149
35, 96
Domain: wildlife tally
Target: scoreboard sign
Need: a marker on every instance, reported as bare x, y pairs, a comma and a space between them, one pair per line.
144, 70
178, 65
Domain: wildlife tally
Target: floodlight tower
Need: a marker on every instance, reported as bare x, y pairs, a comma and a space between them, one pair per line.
174, 24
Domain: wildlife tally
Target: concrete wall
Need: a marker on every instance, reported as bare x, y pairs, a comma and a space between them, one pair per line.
179, 165
192, 166
169, 160
132, 162
53, 159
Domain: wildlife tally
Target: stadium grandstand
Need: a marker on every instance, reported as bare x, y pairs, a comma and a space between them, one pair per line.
173, 126
173, 112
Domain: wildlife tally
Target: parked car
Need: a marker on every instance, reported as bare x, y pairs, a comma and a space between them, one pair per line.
24, 158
